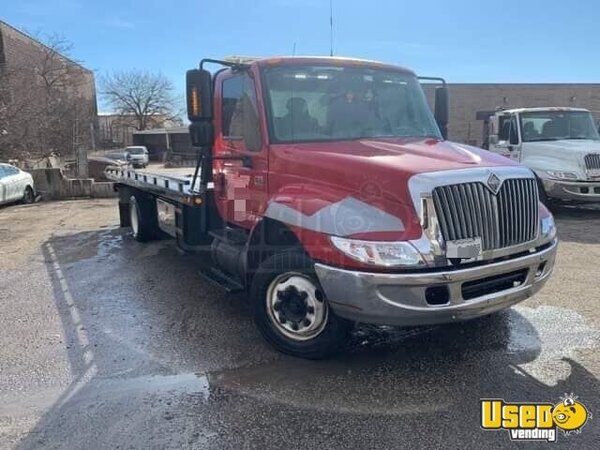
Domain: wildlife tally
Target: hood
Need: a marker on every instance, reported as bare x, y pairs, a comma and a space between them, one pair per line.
311, 177
400, 158
569, 146
564, 154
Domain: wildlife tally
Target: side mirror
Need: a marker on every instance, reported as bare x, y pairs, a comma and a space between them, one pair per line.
442, 110
199, 95
202, 133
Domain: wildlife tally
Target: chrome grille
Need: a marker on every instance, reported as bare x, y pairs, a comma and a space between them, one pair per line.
592, 161
470, 210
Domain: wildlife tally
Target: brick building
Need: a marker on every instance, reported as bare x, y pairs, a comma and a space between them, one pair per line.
47, 100
467, 99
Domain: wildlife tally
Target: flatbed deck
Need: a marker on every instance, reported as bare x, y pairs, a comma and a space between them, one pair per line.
160, 180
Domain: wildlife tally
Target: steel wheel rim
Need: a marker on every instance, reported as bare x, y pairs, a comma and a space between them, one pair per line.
28, 195
296, 306
133, 215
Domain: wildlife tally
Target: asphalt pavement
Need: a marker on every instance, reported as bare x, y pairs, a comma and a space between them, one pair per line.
109, 343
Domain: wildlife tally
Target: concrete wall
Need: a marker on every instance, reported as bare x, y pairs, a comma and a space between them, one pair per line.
51, 184
467, 99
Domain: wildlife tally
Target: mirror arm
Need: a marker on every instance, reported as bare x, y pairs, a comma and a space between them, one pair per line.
235, 66
441, 80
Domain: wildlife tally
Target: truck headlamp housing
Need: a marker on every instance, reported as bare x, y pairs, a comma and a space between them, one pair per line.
548, 227
562, 175
384, 254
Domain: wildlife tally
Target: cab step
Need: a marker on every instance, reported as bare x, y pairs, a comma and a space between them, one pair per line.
221, 279
232, 236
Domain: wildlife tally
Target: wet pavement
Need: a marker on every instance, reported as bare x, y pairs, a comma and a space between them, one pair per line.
109, 343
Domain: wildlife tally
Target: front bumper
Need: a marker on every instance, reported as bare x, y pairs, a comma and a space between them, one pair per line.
581, 191
402, 299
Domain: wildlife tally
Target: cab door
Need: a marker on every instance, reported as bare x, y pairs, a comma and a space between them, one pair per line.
240, 152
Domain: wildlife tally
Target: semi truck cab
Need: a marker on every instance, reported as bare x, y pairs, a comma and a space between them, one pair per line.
326, 189
561, 145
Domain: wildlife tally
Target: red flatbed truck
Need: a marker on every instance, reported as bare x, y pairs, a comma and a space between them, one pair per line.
326, 189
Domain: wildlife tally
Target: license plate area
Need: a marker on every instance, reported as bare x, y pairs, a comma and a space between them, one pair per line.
464, 248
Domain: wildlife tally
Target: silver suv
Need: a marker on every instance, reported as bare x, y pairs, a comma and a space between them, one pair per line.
137, 155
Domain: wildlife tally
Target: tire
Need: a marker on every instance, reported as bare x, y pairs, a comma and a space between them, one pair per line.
286, 294
28, 195
143, 218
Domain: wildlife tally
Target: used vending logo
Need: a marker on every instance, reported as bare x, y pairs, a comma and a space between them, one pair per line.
534, 421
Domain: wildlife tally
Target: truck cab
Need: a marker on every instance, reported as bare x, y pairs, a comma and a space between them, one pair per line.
561, 145
326, 189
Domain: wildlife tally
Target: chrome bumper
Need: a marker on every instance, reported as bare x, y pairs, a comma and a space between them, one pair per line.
581, 191
400, 299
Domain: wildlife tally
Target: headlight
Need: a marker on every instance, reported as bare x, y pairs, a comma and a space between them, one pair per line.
548, 227
559, 174
386, 254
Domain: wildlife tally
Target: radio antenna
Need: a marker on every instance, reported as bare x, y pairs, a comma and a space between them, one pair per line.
330, 27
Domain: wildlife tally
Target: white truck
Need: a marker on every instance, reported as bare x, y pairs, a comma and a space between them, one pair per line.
561, 145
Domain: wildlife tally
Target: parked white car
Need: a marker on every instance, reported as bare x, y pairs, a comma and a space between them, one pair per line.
561, 145
138, 155
15, 185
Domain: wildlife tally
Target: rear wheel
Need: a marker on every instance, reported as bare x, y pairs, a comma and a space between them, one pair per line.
290, 308
28, 195
143, 219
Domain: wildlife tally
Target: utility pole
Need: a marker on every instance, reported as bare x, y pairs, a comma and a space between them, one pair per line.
330, 27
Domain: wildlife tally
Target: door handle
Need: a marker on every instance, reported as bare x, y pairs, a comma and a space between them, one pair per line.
245, 159
247, 162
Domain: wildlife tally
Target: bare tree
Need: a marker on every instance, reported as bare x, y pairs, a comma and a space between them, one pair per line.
148, 98
43, 108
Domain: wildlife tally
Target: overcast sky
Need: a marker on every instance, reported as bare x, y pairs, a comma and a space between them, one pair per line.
463, 41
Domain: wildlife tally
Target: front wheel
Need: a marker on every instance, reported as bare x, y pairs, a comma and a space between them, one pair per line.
28, 195
290, 308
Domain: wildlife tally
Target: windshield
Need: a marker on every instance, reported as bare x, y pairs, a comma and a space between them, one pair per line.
136, 150
555, 125
321, 103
